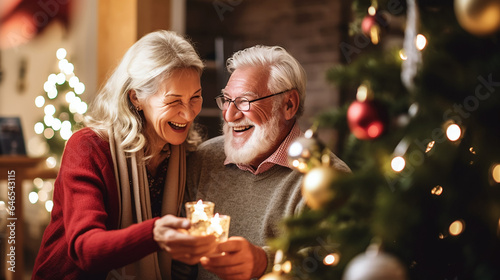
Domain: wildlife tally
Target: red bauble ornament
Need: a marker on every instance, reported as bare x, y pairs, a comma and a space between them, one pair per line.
368, 22
367, 120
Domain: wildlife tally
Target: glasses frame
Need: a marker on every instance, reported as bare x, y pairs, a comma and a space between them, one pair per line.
219, 98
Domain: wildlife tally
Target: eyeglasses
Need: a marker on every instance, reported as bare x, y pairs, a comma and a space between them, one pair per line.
241, 103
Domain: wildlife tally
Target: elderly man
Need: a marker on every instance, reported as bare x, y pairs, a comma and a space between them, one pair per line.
245, 172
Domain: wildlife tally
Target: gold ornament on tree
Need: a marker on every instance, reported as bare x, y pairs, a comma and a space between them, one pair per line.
478, 17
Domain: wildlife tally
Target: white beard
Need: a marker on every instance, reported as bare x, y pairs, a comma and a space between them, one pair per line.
261, 141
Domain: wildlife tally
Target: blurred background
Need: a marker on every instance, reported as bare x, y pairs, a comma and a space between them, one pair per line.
55, 54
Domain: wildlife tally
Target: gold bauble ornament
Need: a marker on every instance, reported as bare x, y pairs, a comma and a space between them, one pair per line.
478, 17
316, 186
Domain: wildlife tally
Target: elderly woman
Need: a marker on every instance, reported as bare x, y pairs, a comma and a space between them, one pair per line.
121, 181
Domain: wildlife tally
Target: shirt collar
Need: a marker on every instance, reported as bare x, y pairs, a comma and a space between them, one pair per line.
279, 157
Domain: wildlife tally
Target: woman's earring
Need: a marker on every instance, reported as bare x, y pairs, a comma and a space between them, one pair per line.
138, 108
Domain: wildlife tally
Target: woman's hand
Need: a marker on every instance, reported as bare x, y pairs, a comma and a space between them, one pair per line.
170, 233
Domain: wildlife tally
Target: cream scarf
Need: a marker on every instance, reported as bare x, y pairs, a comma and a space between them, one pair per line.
135, 204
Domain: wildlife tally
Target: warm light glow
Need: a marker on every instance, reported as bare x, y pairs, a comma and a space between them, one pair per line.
48, 133
199, 212
49, 204
286, 267
78, 118
51, 162
295, 149
48, 120
79, 88
43, 196
39, 101
313, 180
38, 182
453, 132
49, 110
331, 259
52, 78
70, 96
48, 86
82, 108
420, 42
441, 236
402, 55
309, 133
62, 64
471, 150
362, 93
56, 124
457, 227
430, 146
215, 225
51, 94
437, 190
495, 173
68, 68
33, 197
61, 78
73, 81
61, 53
39, 127
374, 34
302, 167
398, 163
372, 11
47, 186
295, 163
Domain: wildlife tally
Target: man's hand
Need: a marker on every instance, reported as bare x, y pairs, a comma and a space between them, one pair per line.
171, 235
236, 259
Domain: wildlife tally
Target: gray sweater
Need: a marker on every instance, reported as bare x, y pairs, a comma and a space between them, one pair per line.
256, 203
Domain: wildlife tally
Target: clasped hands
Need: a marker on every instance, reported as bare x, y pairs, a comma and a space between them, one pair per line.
235, 258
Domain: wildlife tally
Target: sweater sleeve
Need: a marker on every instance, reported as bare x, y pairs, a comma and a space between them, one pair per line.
86, 193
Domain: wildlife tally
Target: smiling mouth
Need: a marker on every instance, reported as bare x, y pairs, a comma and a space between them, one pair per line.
177, 126
242, 128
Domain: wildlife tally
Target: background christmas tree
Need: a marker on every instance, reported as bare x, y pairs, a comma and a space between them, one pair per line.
423, 141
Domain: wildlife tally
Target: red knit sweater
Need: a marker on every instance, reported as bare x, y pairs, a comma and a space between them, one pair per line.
82, 240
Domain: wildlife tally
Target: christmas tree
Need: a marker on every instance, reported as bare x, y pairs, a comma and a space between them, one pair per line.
423, 142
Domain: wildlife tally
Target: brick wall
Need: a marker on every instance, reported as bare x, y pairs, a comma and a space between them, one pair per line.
311, 30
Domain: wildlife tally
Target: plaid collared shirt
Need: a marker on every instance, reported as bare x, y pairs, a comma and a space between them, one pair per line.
280, 156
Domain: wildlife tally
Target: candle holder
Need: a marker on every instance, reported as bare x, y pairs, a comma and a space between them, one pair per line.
199, 214
219, 227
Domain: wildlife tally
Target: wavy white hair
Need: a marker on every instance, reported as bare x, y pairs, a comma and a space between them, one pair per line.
150, 61
285, 72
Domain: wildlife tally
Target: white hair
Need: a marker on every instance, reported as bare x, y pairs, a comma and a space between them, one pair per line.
285, 72
149, 62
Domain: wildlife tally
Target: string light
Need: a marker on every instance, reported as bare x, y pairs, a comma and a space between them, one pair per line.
38, 182
33, 197
286, 267
398, 163
51, 162
402, 55
49, 204
420, 42
331, 259
453, 132
457, 227
39, 127
495, 173
39, 101
437, 190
